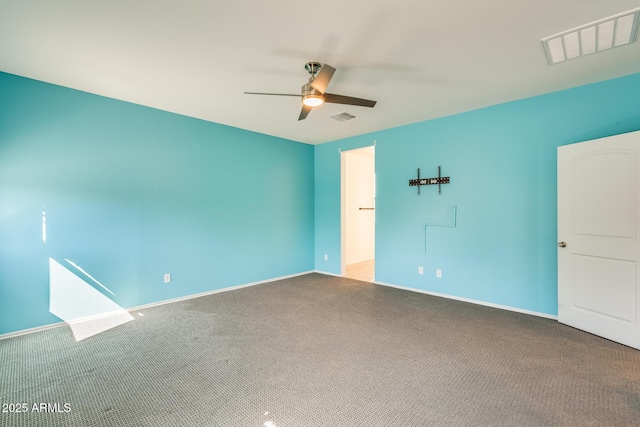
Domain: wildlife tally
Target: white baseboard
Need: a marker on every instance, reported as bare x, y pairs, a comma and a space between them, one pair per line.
216, 291
31, 330
153, 304
469, 300
472, 301
246, 285
326, 273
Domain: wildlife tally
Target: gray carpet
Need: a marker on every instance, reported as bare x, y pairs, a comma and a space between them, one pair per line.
323, 351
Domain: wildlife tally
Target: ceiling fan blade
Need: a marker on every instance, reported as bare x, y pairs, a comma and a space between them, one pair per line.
341, 99
304, 112
321, 81
275, 94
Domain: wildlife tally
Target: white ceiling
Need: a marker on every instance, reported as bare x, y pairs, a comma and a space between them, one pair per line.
420, 59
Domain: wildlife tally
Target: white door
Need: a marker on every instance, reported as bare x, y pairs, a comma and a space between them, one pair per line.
598, 249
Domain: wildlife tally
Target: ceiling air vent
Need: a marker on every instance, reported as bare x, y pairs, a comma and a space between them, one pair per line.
617, 30
343, 117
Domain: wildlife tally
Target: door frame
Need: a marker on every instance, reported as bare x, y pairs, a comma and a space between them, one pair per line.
343, 204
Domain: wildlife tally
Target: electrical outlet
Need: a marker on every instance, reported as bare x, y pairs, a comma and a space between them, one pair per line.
167, 278
439, 274
326, 257
420, 270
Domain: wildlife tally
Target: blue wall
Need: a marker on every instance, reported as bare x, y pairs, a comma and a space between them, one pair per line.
131, 193
502, 164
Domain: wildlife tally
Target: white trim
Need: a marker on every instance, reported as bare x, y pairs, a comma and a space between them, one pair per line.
472, 301
216, 291
154, 304
97, 316
246, 285
326, 273
343, 213
31, 330
453, 297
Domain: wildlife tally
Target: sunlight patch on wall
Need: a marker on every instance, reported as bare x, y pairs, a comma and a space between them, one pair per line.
89, 276
44, 226
86, 310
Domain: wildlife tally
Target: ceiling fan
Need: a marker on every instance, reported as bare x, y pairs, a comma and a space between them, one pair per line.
313, 93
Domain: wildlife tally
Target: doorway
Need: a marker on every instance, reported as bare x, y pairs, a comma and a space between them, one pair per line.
358, 213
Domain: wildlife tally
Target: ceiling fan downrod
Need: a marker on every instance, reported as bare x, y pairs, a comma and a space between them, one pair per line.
312, 67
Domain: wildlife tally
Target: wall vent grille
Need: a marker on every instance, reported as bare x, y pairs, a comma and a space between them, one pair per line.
608, 33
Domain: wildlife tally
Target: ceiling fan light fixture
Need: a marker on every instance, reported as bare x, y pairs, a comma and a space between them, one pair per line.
311, 97
313, 100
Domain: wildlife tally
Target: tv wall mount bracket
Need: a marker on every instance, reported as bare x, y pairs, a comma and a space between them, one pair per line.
439, 180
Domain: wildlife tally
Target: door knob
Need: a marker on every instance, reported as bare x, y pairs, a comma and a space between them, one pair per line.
562, 244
